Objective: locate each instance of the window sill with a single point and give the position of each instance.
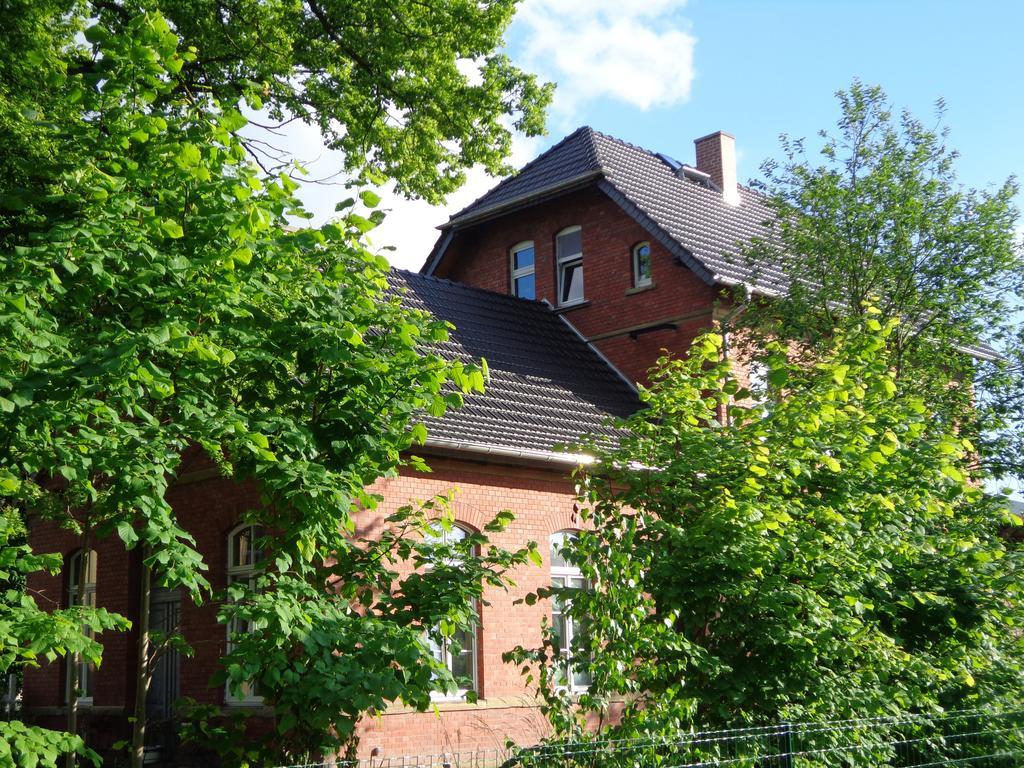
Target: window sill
(640, 288)
(455, 698)
(244, 703)
(574, 305)
(91, 710)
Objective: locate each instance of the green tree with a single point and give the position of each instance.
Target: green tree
(880, 216)
(823, 554)
(29, 633)
(154, 300)
(323, 663)
(388, 84)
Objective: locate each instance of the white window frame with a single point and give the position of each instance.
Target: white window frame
(563, 261)
(247, 572)
(523, 271)
(443, 650)
(640, 281)
(86, 669)
(567, 574)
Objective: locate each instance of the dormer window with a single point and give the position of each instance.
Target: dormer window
(641, 265)
(569, 257)
(524, 284)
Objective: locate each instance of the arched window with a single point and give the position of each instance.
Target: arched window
(86, 669)
(459, 652)
(565, 576)
(641, 265)
(245, 554)
(524, 284)
(569, 261)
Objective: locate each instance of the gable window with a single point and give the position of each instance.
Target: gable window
(569, 262)
(459, 652)
(523, 271)
(244, 557)
(641, 265)
(573, 674)
(86, 669)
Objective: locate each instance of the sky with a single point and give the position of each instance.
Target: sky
(660, 73)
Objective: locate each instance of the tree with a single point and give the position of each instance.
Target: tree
(29, 633)
(824, 554)
(325, 663)
(388, 84)
(883, 218)
(154, 301)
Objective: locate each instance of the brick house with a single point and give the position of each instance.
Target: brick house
(569, 278)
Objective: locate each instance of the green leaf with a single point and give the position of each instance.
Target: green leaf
(172, 228)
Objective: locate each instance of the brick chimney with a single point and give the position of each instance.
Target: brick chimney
(716, 156)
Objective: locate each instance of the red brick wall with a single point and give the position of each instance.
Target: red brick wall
(480, 257)
(209, 508)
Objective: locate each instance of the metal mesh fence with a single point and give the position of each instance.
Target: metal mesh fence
(978, 739)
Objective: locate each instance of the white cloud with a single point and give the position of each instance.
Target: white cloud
(638, 52)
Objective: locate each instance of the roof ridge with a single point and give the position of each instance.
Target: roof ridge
(477, 289)
(520, 171)
(653, 153)
(624, 143)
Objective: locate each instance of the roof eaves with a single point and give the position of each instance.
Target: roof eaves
(503, 452)
(676, 248)
(529, 197)
(437, 253)
(758, 288)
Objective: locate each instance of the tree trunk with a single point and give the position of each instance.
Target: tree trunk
(85, 555)
(142, 667)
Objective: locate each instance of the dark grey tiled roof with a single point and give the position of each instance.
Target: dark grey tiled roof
(689, 214)
(548, 387)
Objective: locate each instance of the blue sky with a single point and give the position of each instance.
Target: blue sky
(660, 73)
(761, 69)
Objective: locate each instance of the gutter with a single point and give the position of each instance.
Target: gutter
(977, 352)
(521, 454)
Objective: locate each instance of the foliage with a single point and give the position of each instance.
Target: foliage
(410, 91)
(29, 633)
(882, 217)
(156, 305)
(826, 554)
(322, 664)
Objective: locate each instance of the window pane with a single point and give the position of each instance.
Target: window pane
(643, 264)
(436, 534)
(525, 287)
(569, 244)
(436, 649)
(558, 542)
(572, 282)
(558, 630)
(580, 677)
(523, 258)
(244, 549)
(462, 669)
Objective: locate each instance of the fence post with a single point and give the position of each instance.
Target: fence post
(786, 746)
